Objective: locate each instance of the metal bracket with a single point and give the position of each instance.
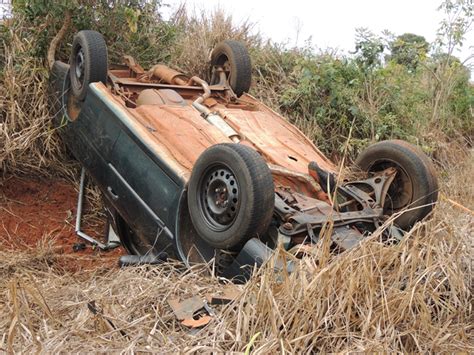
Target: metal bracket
(372, 207)
(379, 183)
(113, 240)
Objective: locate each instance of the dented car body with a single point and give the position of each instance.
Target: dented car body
(205, 171)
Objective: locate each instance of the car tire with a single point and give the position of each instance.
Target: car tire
(88, 62)
(235, 58)
(415, 187)
(231, 195)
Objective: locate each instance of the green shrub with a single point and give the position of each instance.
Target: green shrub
(359, 98)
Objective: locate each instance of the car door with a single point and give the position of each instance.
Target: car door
(92, 136)
(146, 196)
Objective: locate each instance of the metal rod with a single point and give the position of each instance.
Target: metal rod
(213, 118)
(78, 231)
(79, 200)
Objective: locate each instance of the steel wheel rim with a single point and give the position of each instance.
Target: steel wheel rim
(79, 67)
(219, 197)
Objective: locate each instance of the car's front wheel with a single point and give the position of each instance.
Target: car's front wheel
(414, 190)
(231, 195)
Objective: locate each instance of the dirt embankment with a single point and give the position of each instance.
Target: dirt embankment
(34, 211)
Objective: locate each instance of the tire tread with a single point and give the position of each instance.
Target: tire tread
(96, 58)
(238, 54)
(421, 171)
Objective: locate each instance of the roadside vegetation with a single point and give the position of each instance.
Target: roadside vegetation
(392, 86)
(415, 296)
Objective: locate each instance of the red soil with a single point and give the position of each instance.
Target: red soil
(35, 211)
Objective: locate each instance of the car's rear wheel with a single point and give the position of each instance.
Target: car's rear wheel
(230, 196)
(88, 62)
(415, 187)
(234, 59)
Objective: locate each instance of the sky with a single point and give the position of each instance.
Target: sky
(5, 6)
(332, 23)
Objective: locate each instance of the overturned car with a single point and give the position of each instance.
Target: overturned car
(200, 170)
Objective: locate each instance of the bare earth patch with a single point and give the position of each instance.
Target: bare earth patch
(35, 212)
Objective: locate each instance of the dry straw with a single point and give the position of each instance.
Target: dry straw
(415, 296)
(28, 143)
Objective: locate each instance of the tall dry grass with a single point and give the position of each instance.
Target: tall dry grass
(415, 296)
(200, 32)
(28, 143)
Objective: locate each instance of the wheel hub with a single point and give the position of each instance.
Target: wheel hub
(400, 192)
(79, 65)
(220, 197)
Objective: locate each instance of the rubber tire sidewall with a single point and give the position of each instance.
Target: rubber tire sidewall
(240, 64)
(419, 169)
(95, 61)
(257, 195)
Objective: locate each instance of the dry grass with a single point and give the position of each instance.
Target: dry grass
(415, 296)
(29, 144)
(203, 30)
(27, 141)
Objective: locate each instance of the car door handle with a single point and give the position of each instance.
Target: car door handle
(112, 193)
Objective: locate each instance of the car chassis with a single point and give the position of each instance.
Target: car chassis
(306, 194)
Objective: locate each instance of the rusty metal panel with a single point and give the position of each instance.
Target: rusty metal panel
(279, 141)
(318, 156)
(181, 129)
(146, 134)
(180, 134)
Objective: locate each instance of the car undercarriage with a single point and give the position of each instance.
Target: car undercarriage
(201, 170)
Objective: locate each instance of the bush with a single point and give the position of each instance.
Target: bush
(334, 99)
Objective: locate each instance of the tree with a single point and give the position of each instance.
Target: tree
(368, 49)
(459, 17)
(409, 50)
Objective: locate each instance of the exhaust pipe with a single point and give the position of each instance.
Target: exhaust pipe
(168, 75)
(213, 118)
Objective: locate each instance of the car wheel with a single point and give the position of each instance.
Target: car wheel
(415, 186)
(231, 195)
(88, 62)
(234, 58)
